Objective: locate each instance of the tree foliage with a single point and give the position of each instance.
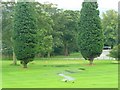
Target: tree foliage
(24, 32)
(44, 31)
(7, 27)
(110, 27)
(115, 52)
(66, 26)
(90, 34)
(57, 29)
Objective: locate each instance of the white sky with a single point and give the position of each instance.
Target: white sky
(76, 4)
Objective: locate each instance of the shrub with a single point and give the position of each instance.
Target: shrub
(115, 52)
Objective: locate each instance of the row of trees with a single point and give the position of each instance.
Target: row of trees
(54, 25)
(54, 17)
(56, 29)
(48, 30)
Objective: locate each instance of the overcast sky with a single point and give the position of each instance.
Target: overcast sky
(76, 4)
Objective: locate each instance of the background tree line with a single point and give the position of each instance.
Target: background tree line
(57, 30)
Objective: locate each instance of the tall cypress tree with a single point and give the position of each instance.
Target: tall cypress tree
(90, 34)
(24, 32)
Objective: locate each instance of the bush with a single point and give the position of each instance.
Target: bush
(115, 52)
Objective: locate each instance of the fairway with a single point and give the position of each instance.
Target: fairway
(44, 74)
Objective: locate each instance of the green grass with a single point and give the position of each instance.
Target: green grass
(72, 55)
(44, 74)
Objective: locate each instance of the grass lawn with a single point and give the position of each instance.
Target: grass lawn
(44, 74)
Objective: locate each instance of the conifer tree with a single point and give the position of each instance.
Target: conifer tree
(24, 34)
(90, 33)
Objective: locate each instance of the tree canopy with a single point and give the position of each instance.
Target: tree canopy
(110, 27)
(59, 31)
(24, 33)
(90, 33)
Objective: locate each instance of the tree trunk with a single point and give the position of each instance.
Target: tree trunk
(48, 54)
(65, 50)
(91, 61)
(25, 65)
(118, 61)
(14, 59)
(9, 56)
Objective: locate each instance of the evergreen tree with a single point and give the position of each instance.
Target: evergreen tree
(90, 34)
(24, 32)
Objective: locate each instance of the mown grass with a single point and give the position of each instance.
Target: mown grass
(44, 74)
(72, 55)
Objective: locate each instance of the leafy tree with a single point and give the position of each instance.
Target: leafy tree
(44, 33)
(0, 31)
(66, 25)
(7, 15)
(119, 26)
(50, 8)
(70, 32)
(57, 33)
(24, 32)
(115, 52)
(7, 28)
(51, 12)
(110, 27)
(90, 34)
